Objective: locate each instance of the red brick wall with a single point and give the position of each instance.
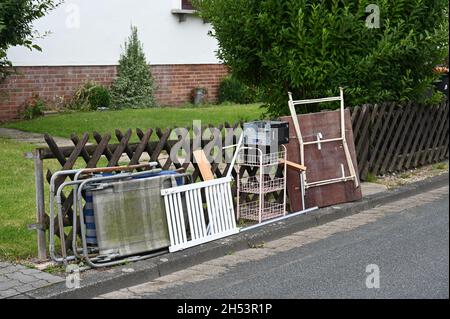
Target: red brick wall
(174, 83)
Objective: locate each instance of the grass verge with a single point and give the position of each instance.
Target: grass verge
(63, 125)
(17, 200)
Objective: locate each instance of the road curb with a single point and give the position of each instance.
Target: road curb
(99, 282)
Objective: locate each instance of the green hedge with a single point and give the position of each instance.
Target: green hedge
(312, 47)
(234, 91)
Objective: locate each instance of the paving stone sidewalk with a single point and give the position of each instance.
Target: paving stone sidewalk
(33, 138)
(17, 279)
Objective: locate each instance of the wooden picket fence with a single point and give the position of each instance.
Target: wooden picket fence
(393, 138)
(388, 138)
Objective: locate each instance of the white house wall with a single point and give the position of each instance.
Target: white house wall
(92, 32)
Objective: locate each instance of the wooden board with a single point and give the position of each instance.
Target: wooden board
(321, 164)
(293, 165)
(203, 165)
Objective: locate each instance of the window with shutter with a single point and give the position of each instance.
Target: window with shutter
(186, 5)
(186, 9)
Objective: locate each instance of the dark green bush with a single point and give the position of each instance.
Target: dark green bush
(99, 96)
(90, 97)
(233, 90)
(34, 108)
(312, 47)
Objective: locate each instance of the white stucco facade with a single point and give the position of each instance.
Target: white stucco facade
(92, 32)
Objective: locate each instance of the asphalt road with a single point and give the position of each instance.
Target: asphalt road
(410, 247)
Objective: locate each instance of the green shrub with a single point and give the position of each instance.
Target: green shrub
(233, 90)
(437, 97)
(99, 96)
(312, 47)
(90, 97)
(134, 86)
(440, 166)
(371, 178)
(34, 108)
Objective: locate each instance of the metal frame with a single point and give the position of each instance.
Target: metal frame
(353, 176)
(58, 193)
(262, 160)
(100, 261)
(279, 219)
(52, 253)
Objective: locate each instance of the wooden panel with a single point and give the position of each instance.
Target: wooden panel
(404, 131)
(379, 134)
(361, 126)
(396, 130)
(439, 113)
(321, 164)
(411, 137)
(442, 147)
(419, 140)
(203, 165)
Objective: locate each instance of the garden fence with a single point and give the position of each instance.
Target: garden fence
(393, 138)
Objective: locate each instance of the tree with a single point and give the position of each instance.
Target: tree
(133, 87)
(16, 26)
(312, 47)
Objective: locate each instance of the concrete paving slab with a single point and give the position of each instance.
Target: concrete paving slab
(372, 188)
(32, 138)
(17, 279)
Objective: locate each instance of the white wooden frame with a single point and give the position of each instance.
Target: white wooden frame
(342, 138)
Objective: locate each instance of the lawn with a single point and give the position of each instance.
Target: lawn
(17, 201)
(65, 124)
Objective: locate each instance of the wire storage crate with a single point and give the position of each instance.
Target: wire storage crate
(253, 212)
(253, 185)
(250, 156)
(261, 184)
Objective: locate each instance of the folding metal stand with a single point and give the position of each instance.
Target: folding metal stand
(341, 139)
(261, 184)
(57, 194)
